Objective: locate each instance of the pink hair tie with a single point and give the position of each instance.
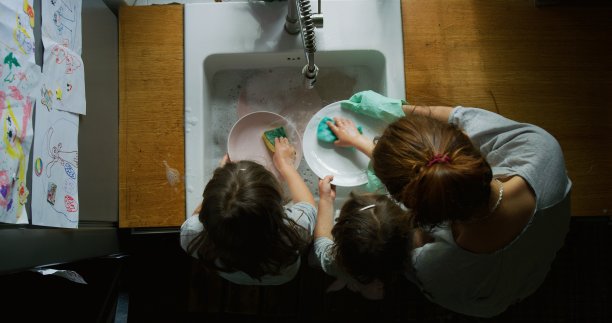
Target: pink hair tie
(439, 158)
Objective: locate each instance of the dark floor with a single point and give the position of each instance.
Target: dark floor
(159, 283)
(165, 285)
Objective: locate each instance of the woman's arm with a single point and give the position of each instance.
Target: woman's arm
(325, 216)
(440, 113)
(283, 158)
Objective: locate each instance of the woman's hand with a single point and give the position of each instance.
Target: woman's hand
(349, 136)
(326, 189)
(284, 156)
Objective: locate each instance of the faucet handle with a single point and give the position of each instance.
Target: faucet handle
(317, 19)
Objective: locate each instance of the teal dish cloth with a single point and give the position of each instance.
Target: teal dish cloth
(374, 105)
(325, 134)
(377, 106)
(374, 184)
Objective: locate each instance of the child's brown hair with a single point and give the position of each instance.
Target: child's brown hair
(372, 238)
(245, 225)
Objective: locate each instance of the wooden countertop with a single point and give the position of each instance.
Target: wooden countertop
(547, 66)
(151, 118)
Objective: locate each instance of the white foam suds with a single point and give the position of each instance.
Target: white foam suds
(280, 90)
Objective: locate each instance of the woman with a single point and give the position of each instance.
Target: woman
(492, 194)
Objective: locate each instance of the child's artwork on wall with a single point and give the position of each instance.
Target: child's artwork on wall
(16, 27)
(62, 63)
(64, 87)
(19, 77)
(55, 197)
(61, 24)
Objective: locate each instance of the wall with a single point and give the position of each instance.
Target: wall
(98, 131)
(26, 246)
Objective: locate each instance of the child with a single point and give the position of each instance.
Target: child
(243, 231)
(370, 243)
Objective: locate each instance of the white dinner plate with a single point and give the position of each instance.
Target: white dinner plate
(245, 142)
(347, 165)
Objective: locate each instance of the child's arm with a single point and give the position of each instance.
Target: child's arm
(283, 158)
(349, 136)
(325, 216)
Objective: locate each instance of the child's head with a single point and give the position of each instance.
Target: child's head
(245, 226)
(434, 169)
(372, 237)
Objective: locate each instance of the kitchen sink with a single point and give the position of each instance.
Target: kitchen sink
(239, 59)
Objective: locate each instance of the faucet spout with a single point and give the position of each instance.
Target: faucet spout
(310, 76)
(300, 19)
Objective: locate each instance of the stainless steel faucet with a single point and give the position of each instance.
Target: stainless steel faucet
(300, 19)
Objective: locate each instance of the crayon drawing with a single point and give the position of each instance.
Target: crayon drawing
(64, 87)
(69, 160)
(18, 77)
(55, 200)
(61, 23)
(16, 27)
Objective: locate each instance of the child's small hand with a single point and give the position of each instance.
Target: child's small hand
(224, 160)
(326, 189)
(198, 209)
(347, 133)
(284, 156)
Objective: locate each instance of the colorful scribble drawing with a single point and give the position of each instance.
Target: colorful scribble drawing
(38, 166)
(18, 76)
(63, 57)
(46, 97)
(13, 134)
(51, 190)
(58, 94)
(11, 61)
(23, 193)
(15, 93)
(65, 20)
(57, 159)
(22, 38)
(5, 189)
(70, 204)
(27, 8)
(68, 159)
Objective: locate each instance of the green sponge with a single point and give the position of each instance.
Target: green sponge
(325, 134)
(269, 135)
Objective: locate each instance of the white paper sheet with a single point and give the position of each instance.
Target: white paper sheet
(65, 79)
(71, 275)
(16, 27)
(19, 77)
(61, 24)
(55, 197)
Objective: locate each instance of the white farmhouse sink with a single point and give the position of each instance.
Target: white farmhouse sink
(239, 59)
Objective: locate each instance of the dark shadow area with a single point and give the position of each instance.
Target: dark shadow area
(167, 286)
(158, 282)
(29, 296)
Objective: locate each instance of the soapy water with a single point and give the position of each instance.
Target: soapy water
(236, 93)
